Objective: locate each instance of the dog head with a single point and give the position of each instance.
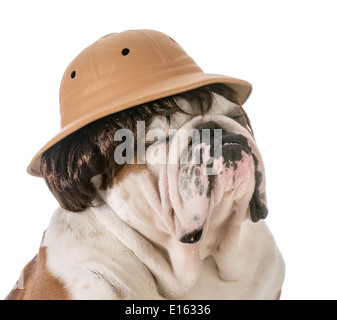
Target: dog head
(172, 168)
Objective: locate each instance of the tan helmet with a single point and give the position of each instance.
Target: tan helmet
(123, 70)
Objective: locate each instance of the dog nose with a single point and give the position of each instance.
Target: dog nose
(192, 237)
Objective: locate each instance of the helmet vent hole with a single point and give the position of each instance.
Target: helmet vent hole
(73, 74)
(125, 51)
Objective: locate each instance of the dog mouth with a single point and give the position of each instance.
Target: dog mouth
(192, 237)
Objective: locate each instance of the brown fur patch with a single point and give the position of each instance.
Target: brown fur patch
(38, 282)
(129, 169)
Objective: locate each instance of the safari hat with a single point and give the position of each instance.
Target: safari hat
(123, 70)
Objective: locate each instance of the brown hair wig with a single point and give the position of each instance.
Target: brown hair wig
(69, 165)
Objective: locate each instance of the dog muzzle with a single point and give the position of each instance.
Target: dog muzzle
(218, 164)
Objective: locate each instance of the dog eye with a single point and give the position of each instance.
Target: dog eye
(240, 119)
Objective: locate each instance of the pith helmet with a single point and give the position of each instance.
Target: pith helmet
(123, 70)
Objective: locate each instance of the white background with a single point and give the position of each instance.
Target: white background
(286, 49)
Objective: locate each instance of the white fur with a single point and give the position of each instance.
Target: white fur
(131, 262)
(127, 246)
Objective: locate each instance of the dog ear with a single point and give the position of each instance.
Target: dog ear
(258, 203)
(258, 210)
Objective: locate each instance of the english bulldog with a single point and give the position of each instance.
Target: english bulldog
(173, 207)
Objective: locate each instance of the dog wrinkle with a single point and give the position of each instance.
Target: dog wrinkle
(118, 292)
(95, 234)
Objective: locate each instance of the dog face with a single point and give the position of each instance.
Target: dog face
(197, 172)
